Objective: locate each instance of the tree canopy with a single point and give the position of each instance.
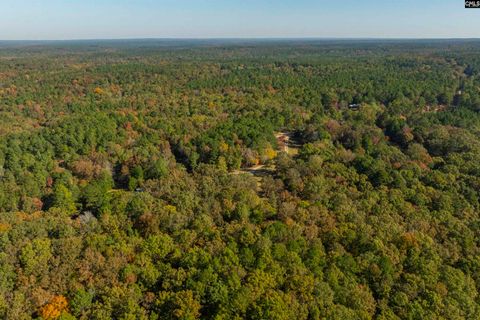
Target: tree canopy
(149, 181)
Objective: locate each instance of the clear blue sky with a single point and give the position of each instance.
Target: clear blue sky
(94, 19)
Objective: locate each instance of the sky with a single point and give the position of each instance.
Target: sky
(123, 19)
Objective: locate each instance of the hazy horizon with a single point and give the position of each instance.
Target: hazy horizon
(247, 39)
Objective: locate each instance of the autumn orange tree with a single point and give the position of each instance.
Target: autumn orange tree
(54, 308)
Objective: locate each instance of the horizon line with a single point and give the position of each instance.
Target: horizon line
(238, 38)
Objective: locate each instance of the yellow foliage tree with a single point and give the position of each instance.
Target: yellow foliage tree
(268, 153)
(223, 146)
(4, 227)
(98, 91)
(54, 309)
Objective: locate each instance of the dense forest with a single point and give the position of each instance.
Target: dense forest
(127, 189)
